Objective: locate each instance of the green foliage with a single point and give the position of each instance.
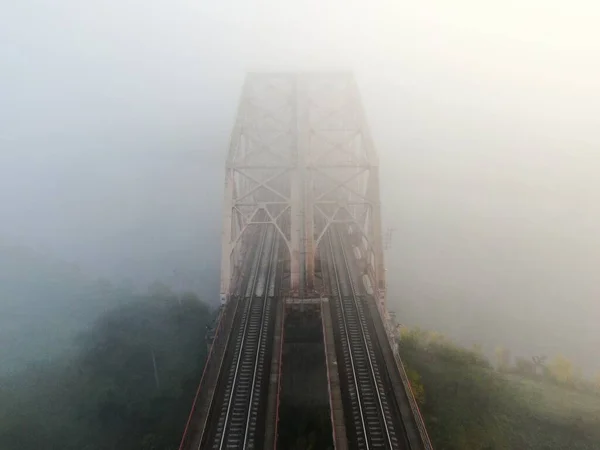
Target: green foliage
(561, 370)
(524, 367)
(502, 359)
(436, 344)
(470, 406)
(108, 395)
(416, 385)
(42, 304)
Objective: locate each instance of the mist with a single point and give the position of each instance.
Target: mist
(115, 119)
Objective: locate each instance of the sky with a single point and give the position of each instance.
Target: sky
(115, 118)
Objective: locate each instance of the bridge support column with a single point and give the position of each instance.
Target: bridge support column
(304, 143)
(272, 414)
(227, 250)
(302, 239)
(336, 406)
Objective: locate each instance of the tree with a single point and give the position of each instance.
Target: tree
(561, 370)
(433, 338)
(524, 367)
(578, 379)
(539, 364)
(412, 337)
(502, 359)
(416, 386)
(104, 395)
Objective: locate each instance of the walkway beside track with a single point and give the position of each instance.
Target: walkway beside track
(333, 377)
(201, 407)
(406, 412)
(272, 414)
(237, 420)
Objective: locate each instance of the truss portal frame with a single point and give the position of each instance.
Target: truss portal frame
(301, 158)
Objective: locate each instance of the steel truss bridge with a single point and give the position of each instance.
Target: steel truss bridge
(302, 273)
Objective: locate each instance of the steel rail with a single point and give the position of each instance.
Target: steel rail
(364, 334)
(369, 351)
(272, 269)
(349, 344)
(246, 313)
(251, 346)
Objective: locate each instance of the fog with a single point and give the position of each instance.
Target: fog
(115, 118)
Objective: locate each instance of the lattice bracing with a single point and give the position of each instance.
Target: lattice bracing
(301, 157)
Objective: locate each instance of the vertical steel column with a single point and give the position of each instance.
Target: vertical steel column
(376, 233)
(297, 188)
(226, 243)
(373, 195)
(303, 125)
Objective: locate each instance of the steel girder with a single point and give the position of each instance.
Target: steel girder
(301, 158)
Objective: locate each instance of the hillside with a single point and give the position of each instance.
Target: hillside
(44, 303)
(469, 405)
(128, 383)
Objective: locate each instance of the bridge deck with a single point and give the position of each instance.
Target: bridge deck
(410, 422)
(201, 407)
(378, 411)
(370, 402)
(302, 176)
(335, 394)
(272, 414)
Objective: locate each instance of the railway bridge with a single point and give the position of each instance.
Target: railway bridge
(303, 333)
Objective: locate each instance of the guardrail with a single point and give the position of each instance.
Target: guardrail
(403, 376)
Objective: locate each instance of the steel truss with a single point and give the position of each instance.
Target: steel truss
(301, 158)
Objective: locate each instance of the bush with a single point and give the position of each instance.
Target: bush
(439, 346)
(469, 406)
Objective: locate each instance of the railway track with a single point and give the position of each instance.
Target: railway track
(245, 379)
(369, 402)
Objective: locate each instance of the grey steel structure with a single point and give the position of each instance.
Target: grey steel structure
(301, 188)
(301, 157)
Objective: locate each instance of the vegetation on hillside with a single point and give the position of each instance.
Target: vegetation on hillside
(469, 404)
(127, 382)
(44, 303)
(128, 385)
